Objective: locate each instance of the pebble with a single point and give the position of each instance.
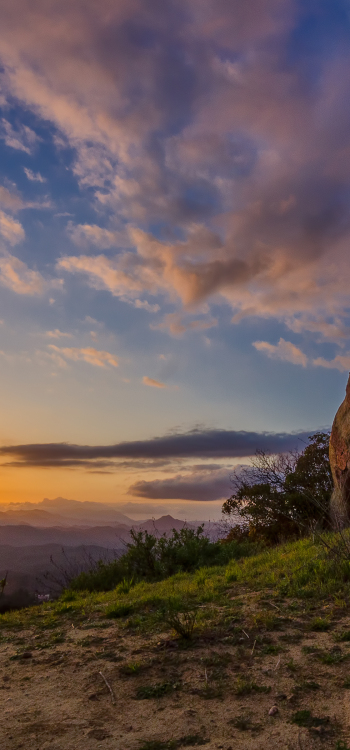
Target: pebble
(273, 711)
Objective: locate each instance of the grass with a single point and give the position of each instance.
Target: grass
(147, 692)
(304, 718)
(186, 741)
(300, 571)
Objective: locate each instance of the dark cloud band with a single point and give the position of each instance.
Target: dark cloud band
(197, 443)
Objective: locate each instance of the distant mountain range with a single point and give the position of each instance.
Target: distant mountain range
(66, 530)
(61, 511)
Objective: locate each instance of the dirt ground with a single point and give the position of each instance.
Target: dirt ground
(216, 692)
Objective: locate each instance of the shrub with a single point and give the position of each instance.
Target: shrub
(153, 558)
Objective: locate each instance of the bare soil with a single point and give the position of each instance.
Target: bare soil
(216, 691)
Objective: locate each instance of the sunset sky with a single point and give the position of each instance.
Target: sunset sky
(174, 242)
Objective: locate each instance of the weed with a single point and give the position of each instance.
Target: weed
(192, 739)
(269, 648)
(244, 723)
(311, 649)
(335, 656)
(185, 741)
(319, 624)
(158, 745)
(344, 636)
(265, 620)
(304, 718)
(245, 687)
(292, 666)
(307, 685)
(341, 745)
(119, 610)
(182, 622)
(147, 692)
(131, 669)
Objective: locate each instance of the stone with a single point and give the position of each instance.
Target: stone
(273, 711)
(339, 456)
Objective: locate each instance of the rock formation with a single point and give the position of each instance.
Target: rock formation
(339, 455)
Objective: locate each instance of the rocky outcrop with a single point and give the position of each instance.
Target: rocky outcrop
(339, 455)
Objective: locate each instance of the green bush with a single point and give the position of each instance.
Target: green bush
(152, 558)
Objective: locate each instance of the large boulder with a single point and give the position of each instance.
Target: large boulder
(339, 456)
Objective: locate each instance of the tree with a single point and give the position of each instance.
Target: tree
(283, 495)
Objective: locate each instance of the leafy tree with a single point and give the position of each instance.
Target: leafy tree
(282, 495)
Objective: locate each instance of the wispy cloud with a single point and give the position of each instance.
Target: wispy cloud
(284, 350)
(16, 275)
(34, 176)
(10, 229)
(57, 334)
(22, 138)
(153, 383)
(341, 362)
(85, 234)
(92, 356)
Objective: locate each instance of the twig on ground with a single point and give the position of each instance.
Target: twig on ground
(252, 651)
(278, 663)
(109, 687)
(246, 634)
(275, 606)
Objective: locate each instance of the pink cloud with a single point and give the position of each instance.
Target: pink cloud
(284, 350)
(153, 383)
(88, 354)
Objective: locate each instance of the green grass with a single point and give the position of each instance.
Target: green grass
(300, 571)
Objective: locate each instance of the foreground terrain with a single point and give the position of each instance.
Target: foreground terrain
(268, 664)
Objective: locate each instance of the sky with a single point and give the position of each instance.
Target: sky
(174, 242)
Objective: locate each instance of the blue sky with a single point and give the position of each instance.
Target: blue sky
(174, 226)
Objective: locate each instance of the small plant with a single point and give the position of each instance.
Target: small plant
(292, 666)
(244, 723)
(119, 610)
(147, 692)
(192, 739)
(182, 622)
(332, 657)
(341, 745)
(304, 718)
(131, 669)
(158, 745)
(346, 683)
(245, 687)
(344, 636)
(319, 624)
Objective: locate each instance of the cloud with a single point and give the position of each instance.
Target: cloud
(89, 354)
(85, 234)
(214, 485)
(199, 443)
(10, 199)
(22, 139)
(34, 176)
(174, 323)
(254, 201)
(15, 275)
(57, 334)
(341, 362)
(284, 350)
(10, 229)
(153, 383)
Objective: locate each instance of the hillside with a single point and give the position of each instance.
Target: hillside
(267, 665)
